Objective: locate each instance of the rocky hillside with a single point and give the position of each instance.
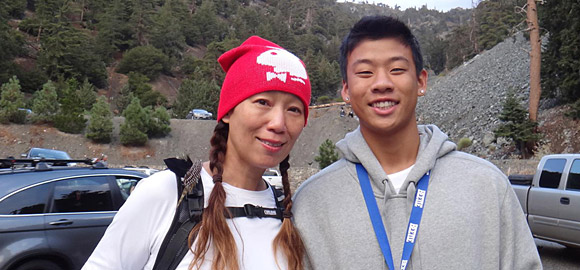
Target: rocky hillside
(467, 101)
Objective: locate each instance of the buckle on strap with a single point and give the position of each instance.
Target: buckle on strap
(253, 211)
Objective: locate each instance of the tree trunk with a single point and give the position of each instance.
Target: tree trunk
(535, 60)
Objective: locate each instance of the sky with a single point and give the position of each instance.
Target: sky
(441, 5)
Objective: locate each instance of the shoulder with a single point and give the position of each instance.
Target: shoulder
(326, 181)
(460, 167)
(159, 186)
(475, 164)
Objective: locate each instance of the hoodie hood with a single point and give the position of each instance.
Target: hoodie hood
(433, 144)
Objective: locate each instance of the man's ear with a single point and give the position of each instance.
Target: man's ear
(344, 92)
(422, 83)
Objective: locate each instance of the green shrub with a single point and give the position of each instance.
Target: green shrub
(134, 129)
(159, 122)
(88, 95)
(326, 154)
(574, 111)
(11, 100)
(463, 143)
(71, 117)
(100, 127)
(45, 104)
(146, 60)
(517, 126)
(323, 100)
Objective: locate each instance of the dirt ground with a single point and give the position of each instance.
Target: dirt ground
(191, 137)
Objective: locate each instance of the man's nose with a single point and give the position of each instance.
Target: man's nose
(382, 82)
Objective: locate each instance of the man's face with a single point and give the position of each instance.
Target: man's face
(383, 85)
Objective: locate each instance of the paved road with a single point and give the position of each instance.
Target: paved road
(557, 257)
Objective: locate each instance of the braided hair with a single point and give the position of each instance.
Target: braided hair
(214, 230)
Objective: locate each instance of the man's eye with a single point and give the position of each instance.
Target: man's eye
(364, 73)
(262, 102)
(398, 70)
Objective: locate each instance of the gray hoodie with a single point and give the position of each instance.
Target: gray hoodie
(471, 218)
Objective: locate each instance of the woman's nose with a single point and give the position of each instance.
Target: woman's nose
(277, 120)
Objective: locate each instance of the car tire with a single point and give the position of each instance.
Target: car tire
(39, 265)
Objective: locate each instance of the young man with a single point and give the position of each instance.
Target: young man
(438, 208)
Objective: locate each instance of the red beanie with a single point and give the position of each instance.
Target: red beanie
(259, 65)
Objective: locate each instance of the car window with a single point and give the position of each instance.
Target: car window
(49, 154)
(270, 173)
(574, 176)
(552, 172)
(126, 185)
(82, 194)
(29, 201)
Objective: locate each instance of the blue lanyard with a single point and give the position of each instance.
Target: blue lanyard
(414, 220)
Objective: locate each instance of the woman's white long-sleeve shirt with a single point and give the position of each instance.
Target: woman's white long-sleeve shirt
(133, 239)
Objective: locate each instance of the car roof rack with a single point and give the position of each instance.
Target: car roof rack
(43, 164)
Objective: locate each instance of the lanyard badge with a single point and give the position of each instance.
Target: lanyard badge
(377, 222)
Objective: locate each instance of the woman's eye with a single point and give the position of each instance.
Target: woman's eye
(262, 102)
(295, 110)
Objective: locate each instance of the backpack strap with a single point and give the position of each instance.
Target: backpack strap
(187, 215)
(251, 211)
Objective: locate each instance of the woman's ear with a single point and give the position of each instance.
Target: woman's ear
(226, 118)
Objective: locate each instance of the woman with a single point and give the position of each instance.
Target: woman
(262, 110)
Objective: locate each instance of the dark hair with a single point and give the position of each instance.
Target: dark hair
(375, 28)
(213, 229)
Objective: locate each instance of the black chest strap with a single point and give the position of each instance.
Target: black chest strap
(252, 211)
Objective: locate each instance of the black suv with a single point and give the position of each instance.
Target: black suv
(52, 217)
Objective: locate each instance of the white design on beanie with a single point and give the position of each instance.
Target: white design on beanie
(283, 62)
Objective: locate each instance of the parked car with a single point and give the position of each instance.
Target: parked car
(551, 198)
(51, 218)
(199, 114)
(45, 153)
(273, 177)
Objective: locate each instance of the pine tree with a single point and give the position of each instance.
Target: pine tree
(326, 154)
(45, 104)
(198, 94)
(146, 60)
(517, 126)
(561, 57)
(70, 119)
(166, 33)
(134, 129)
(159, 123)
(140, 19)
(100, 126)
(115, 33)
(88, 95)
(12, 99)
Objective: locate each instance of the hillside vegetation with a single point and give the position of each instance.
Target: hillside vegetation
(57, 56)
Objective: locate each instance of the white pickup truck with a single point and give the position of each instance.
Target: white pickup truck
(551, 198)
(273, 177)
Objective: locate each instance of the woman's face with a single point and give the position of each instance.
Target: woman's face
(263, 129)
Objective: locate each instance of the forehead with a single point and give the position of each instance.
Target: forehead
(383, 49)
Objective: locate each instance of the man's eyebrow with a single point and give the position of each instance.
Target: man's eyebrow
(390, 60)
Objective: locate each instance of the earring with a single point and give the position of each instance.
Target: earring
(347, 98)
(422, 91)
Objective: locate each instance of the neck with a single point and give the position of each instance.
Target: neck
(395, 152)
(241, 176)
